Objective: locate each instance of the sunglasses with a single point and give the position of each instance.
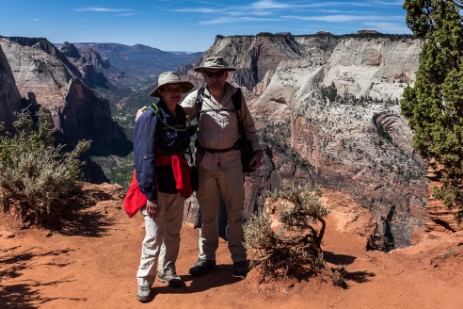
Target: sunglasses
(214, 74)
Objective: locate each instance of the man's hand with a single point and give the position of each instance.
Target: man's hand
(152, 208)
(256, 161)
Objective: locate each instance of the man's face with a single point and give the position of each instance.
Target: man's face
(215, 78)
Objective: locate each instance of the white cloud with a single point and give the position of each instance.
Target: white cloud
(390, 2)
(341, 5)
(268, 4)
(330, 11)
(102, 10)
(220, 20)
(343, 18)
(198, 10)
(127, 14)
(230, 20)
(261, 10)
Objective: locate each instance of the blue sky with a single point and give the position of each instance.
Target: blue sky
(189, 25)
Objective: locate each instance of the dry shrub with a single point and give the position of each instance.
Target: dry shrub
(295, 250)
(37, 179)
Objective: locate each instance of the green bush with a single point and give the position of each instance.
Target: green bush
(37, 179)
(330, 92)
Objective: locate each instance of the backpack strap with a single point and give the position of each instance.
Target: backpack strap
(157, 112)
(155, 108)
(199, 103)
(236, 98)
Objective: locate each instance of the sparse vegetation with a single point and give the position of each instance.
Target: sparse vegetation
(37, 179)
(330, 93)
(295, 250)
(278, 134)
(444, 256)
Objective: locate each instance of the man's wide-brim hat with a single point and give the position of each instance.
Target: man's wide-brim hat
(214, 63)
(171, 78)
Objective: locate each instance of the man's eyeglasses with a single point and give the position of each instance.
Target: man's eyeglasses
(214, 74)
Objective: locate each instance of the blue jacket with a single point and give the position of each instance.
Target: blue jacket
(151, 138)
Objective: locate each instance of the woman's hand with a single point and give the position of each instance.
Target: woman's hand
(152, 208)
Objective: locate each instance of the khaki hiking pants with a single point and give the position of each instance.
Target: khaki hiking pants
(214, 184)
(162, 238)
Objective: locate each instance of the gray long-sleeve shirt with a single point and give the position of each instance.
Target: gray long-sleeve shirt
(218, 128)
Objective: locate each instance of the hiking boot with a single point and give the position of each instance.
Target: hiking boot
(201, 267)
(240, 269)
(144, 294)
(172, 280)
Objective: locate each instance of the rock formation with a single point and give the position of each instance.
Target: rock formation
(85, 116)
(328, 108)
(10, 100)
(92, 67)
(42, 72)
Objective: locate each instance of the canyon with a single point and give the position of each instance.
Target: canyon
(327, 108)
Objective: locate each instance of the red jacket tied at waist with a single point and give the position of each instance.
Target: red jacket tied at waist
(135, 200)
(182, 172)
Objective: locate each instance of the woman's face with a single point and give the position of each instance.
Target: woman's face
(171, 93)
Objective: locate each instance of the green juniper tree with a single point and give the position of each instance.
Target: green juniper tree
(434, 105)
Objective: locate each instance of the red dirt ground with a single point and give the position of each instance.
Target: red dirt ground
(93, 265)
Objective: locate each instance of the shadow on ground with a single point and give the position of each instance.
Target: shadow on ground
(219, 277)
(84, 217)
(26, 294)
(340, 260)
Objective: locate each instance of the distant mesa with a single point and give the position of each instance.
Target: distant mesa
(265, 34)
(288, 34)
(368, 31)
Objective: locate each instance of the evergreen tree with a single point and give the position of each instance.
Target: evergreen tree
(434, 105)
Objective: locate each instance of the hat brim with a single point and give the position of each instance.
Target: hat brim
(202, 69)
(186, 87)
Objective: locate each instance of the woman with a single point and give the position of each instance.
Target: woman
(162, 173)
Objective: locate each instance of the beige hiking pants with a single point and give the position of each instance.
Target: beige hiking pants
(213, 184)
(162, 238)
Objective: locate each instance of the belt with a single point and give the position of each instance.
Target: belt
(236, 146)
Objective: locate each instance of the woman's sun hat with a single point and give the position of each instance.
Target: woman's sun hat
(170, 77)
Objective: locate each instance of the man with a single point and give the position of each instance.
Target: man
(219, 163)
